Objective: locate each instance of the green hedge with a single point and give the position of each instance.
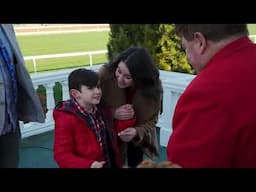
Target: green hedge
(159, 39)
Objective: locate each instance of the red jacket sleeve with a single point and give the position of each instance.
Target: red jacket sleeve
(120, 125)
(200, 138)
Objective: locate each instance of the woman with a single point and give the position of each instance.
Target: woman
(131, 85)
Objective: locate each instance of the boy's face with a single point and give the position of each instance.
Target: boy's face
(88, 96)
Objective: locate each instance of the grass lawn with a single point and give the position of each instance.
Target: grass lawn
(63, 43)
(252, 29)
(67, 43)
(67, 62)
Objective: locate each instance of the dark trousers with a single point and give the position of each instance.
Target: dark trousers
(134, 155)
(9, 149)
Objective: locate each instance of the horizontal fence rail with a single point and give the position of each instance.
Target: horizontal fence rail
(61, 55)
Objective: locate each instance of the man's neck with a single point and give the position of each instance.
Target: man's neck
(217, 46)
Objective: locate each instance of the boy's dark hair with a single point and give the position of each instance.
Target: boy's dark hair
(82, 76)
(213, 32)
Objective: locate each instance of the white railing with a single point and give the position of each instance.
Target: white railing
(48, 80)
(173, 85)
(61, 55)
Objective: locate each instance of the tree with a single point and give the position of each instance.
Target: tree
(172, 57)
(159, 39)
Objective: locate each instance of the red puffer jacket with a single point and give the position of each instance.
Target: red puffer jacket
(75, 144)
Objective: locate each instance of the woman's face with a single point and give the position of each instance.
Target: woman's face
(123, 76)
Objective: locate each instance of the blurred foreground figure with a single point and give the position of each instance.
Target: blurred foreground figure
(18, 98)
(151, 164)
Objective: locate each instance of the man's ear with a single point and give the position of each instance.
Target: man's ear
(74, 93)
(201, 42)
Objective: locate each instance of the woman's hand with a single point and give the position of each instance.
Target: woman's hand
(124, 112)
(97, 164)
(127, 134)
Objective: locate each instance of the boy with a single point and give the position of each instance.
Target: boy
(84, 133)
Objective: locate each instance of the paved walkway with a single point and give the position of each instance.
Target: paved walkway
(37, 151)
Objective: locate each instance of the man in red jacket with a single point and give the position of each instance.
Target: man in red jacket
(214, 123)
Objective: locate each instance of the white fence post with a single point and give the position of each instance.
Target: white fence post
(65, 90)
(50, 102)
(90, 55)
(34, 64)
